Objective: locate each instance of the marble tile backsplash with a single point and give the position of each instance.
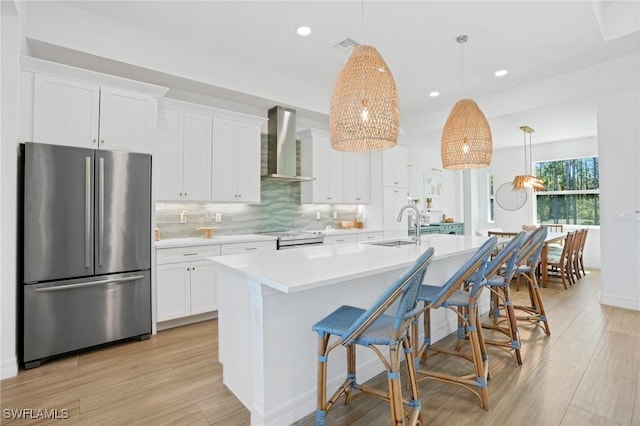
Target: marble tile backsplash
(280, 209)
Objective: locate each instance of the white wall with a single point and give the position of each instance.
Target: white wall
(424, 160)
(506, 163)
(8, 159)
(619, 148)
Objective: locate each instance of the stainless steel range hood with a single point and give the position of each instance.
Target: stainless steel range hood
(281, 146)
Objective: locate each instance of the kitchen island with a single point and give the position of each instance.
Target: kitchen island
(268, 302)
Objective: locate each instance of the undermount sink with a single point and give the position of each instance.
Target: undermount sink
(395, 243)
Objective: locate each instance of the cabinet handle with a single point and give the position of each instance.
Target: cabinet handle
(190, 254)
(94, 141)
(193, 269)
(180, 194)
(185, 194)
(251, 248)
(102, 141)
(188, 269)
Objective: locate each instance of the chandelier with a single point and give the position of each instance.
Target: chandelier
(466, 137)
(522, 182)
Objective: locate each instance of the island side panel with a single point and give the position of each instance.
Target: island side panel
(234, 333)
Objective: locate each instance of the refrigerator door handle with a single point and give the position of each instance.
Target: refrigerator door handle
(100, 210)
(89, 284)
(87, 212)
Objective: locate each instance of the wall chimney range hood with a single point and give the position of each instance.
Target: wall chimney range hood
(281, 146)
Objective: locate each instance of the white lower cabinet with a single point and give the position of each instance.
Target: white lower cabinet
(353, 237)
(339, 239)
(186, 282)
(370, 236)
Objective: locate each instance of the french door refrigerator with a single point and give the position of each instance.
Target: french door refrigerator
(86, 248)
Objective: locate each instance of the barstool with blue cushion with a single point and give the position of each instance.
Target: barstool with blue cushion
(463, 302)
(499, 273)
(528, 261)
(370, 328)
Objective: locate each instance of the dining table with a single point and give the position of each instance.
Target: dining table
(552, 238)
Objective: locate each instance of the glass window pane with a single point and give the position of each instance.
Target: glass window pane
(573, 209)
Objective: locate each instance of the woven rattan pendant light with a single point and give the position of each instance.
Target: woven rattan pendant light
(364, 113)
(466, 137)
(527, 180)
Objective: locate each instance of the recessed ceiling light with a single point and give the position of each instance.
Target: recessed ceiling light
(501, 73)
(303, 31)
(434, 94)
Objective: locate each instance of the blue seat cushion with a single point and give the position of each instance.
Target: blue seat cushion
(428, 293)
(554, 257)
(340, 320)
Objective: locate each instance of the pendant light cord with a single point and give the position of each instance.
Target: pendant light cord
(463, 88)
(530, 157)
(362, 18)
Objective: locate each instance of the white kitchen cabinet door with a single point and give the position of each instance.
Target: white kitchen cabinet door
(196, 158)
(235, 167)
(68, 112)
(126, 120)
(357, 179)
(394, 167)
(394, 199)
(173, 290)
(168, 161)
(222, 164)
(204, 297)
(325, 164)
(247, 162)
(183, 156)
(65, 112)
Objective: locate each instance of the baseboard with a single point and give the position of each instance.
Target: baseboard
(620, 302)
(9, 368)
(178, 322)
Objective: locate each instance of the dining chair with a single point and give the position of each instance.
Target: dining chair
(463, 302)
(560, 263)
(527, 263)
(371, 328)
(554, 227)
(578, 262)
(499, 273)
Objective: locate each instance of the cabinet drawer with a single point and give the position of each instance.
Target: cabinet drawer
(186, 254)
(236, 248)
(339, 239)
(370, 236)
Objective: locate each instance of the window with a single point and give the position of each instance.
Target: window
(490, 199)
(571, 195)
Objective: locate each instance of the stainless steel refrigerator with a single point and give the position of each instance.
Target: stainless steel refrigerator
(86, 248)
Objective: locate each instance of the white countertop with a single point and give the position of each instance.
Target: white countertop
(301, 269)
(224, 239)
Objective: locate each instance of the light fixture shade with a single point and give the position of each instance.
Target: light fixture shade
(364, 113)
(523, 182)
(466, 138)
(526, 181)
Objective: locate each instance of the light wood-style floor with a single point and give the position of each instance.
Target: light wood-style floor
(586, 373)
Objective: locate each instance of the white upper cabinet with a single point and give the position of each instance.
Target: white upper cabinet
(69, 112)
(357, 171)
(393, 200)
(126, 120)
(394, 167)
(183, 156)
(65, 112)
(236, 161)
(325, 164)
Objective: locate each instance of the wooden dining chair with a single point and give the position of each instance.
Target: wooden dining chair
(560, 263)
(371, 328)
(464, 302)
(554, 227)
(578, 262)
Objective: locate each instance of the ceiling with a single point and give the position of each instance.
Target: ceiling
(534, 40)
